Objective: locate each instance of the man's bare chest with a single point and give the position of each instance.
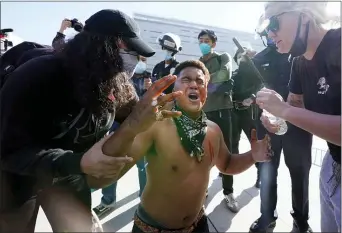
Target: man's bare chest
(171, 155)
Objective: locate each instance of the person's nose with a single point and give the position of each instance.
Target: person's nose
(193, 85)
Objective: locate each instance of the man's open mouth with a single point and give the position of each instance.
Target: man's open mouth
(193, 96)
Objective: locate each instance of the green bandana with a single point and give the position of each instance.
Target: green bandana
(191, 133)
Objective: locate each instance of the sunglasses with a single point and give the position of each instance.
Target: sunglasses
(270, 25)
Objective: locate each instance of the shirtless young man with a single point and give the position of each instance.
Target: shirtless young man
(178, 165)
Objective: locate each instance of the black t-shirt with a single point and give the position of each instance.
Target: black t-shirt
(161, 70)
(319, 80)
(44, 131)
(246, 83)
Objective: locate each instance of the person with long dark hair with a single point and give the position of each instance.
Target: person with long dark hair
(55, 111)
(314, 101)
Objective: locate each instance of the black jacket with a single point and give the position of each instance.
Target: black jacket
(275, 69)
(160, 71)
(44, 132)
(59, 41)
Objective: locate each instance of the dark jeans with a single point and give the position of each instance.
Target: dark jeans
(201, 227)
(241, 120)
(296, 144)
(222, 119)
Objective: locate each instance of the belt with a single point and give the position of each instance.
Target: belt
(149, 229)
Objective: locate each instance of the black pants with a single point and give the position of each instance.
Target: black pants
(201, 227)
(222, 118)
(296, 144)
(241, 120)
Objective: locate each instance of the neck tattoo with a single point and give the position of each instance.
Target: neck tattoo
(191, 133)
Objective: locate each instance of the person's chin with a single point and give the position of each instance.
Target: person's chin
(194, 108)
(282, 49)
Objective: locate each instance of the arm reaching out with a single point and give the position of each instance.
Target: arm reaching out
(322, 125)
(140, 146)
(232, 164)
(295, 100)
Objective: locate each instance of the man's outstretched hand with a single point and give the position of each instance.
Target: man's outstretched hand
(261, 149)
(149, 109)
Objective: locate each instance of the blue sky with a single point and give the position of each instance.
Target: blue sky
(39, 21)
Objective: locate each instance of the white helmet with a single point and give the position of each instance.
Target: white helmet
(170, 41)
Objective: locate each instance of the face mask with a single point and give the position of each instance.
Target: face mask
(168, 55)
(205, 48)
(129, 62)
(299, 47)
(140, 68)
(270, 42)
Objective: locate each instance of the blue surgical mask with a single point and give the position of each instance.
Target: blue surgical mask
(270, 41)
(168, 55)
(205, 48)
(140, 68)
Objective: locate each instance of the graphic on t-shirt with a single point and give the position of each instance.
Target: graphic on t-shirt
(323, 86)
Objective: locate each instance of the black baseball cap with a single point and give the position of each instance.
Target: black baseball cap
(116, 23)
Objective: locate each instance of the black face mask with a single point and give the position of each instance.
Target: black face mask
(299, 46)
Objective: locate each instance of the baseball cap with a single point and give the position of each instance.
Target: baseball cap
(116, 23)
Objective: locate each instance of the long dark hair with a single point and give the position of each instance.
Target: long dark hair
(96, 68)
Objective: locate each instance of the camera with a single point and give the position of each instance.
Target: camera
(4, 38)
(76, 25)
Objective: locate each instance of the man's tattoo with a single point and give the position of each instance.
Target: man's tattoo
(295, 100)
